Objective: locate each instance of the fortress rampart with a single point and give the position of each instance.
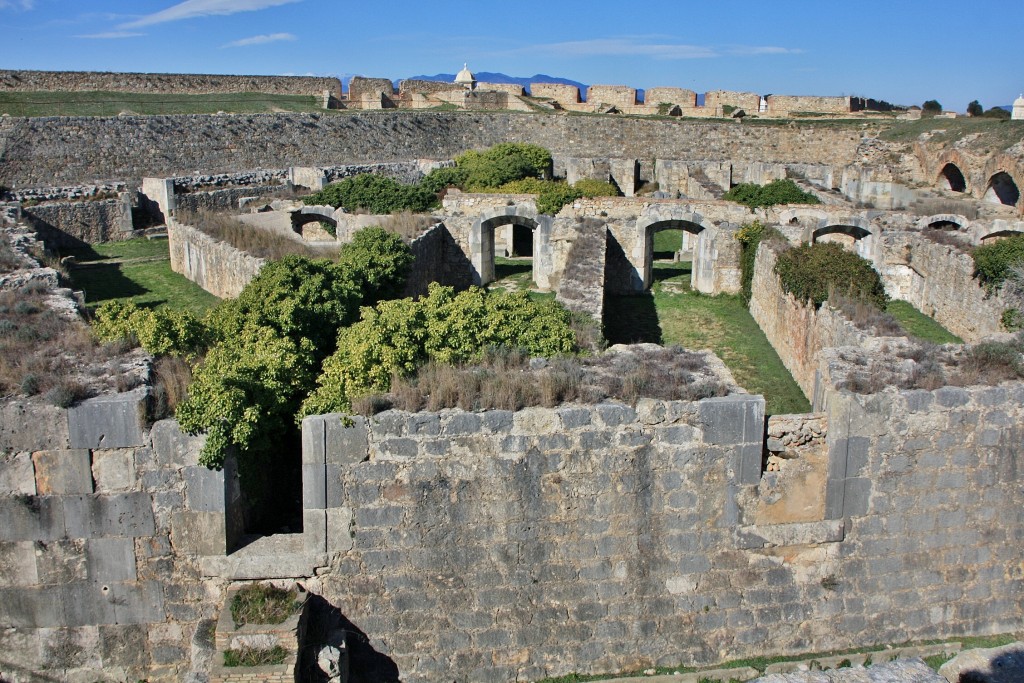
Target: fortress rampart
(68, 150)
(187, 84)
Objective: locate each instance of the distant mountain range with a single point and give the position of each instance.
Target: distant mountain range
(490, 77)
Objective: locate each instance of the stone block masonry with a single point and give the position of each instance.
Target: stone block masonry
(53, 151)
(188, 84)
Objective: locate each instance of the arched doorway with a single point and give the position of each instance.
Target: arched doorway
(952, 178)
(853, 236)
(692, 231)
(527, 233)
(1002, 190)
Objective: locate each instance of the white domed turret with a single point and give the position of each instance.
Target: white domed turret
(465, 78)
(1018, 109)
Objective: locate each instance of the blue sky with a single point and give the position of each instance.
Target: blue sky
(903, 51)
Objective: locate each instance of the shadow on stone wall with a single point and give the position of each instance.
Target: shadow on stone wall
(326, 624)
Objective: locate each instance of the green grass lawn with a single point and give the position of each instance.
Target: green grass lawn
(149, 282)
(919, 325)
(673, 314)
(99, 103)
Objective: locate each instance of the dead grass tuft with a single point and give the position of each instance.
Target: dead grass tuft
(408, 225)
(508, 380)
(252, 240)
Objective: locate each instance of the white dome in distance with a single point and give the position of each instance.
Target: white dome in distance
(465, 77)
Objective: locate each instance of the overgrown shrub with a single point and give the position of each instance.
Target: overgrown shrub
(396, 337)
(750, 237)
(776, 192)
(589, 187)
(161, 332)
(375, 194)
(381, 259)
(994, 262)
(810, 272)
(442, 178)
(501, 164)
(551, 195)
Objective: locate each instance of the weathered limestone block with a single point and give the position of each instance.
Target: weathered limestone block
(17, 476)
(113, 469)
(172, 447)
(115, 421)
(32, 425)
(18, 564)
(64, 471)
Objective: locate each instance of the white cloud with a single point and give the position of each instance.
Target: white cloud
(657, 47)
(261, 40)
(763, 50)
(190, 9)
(24, 5)
(109, 35)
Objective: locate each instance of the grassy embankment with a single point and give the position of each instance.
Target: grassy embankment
(99, 103)
(137, 269)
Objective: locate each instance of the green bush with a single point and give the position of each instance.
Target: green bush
(811, 272)
(551, 195)
(992, 262)
(382, 261)
(749, 237)
(396, 337)
(589, 187)
(374, 193)
(263, 604)
(484, 171)
(772, 194)
(441, 178)
(270, 343)
(161, 332)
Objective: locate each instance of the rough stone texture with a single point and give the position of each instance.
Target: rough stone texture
(715, 100)
(30, 425)
(217, 267)
(902, 671)
(784, 105)
(987, 665)
(438, 258)
(939, 281)
(49, 151)
(360, 88)
(191, 84)
(615, 95)
(684, 98)
(797, 332)
(111, 421)
(69, 225)
(561, 93)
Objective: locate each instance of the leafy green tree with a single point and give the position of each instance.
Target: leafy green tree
(931, 108)
(810, 272)
(975, 108)
(501, 164)
(441, 178)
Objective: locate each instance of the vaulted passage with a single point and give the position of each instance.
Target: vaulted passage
(1002, 190)
(952, 178)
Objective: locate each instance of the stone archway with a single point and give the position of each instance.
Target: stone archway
(952, 178)
(702, 276)
(855, 234)
(1002, 190)
(944, 221)
(482, 242)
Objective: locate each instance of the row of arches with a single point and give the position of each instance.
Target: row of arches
(1001, 187)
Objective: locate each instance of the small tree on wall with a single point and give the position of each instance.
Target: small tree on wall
(931, 108)
(975, 108)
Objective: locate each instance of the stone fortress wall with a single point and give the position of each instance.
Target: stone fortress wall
(183, 84)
